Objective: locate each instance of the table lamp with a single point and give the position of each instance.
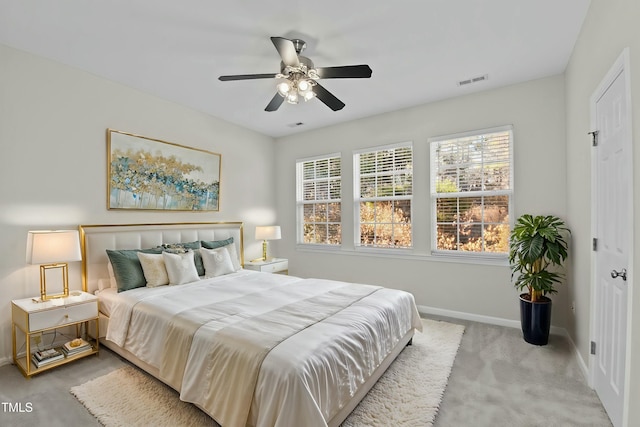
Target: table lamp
(264, 233)
(53, 249)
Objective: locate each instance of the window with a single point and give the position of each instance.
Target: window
(383, 188)
(318, 188)
(471, 191)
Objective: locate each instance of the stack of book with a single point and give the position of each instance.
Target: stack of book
(44, 357)
(75, 346)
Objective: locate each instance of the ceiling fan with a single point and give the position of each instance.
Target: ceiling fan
(298, 77)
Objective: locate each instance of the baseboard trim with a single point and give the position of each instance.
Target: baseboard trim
(6, 361)
(469, 316)
(555, 330)
(581, 363)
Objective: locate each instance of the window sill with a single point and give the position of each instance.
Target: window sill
(406, 254)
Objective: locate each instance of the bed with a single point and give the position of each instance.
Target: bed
(248, 348)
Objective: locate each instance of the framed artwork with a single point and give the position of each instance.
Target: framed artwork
(150, 174)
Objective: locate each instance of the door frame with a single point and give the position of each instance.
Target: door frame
(620, 67)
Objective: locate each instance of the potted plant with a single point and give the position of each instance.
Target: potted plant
(536, 244)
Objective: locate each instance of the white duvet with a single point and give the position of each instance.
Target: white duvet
(304, 380)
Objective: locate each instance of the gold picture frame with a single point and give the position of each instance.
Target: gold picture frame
(150, 174)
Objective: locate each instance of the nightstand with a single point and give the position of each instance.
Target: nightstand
(32, 318)
(272, 265)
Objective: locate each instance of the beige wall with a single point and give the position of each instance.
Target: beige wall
(536, 111)
(53, 122)
(611, 26)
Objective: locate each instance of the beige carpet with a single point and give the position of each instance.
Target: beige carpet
(408, 394)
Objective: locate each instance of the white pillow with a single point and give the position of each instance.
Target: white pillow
(155, 272)
(103, 284)
(233, 254)
(216, 262)
(181, 268)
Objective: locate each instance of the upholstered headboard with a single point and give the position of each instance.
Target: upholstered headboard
(96, 239)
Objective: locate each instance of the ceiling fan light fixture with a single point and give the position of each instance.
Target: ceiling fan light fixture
(303, 85)
(296, 86)
(284, 87)
(292, 97)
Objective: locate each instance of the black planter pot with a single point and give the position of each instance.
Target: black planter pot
(535, 318)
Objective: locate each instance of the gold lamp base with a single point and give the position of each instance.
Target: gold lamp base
(43, 281)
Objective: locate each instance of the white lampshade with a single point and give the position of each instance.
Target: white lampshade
(53, 246)
(270, 232)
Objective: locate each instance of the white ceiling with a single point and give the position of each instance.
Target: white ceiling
(418, 50)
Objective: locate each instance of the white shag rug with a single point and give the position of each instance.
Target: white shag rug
(408, 394)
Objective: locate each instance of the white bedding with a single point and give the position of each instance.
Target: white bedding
(107, 297)
(305, 379)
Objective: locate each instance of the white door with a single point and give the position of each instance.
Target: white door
(613, 230)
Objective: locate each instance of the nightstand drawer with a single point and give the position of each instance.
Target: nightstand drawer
(275, 267)
(61, 316)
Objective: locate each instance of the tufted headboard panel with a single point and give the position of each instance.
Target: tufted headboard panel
(96, 239)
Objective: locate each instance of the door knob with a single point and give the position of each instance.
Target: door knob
(622, 273)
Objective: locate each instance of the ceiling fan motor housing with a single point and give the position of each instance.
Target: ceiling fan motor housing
(305, 65)
(299, 45)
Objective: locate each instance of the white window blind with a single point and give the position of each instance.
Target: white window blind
(383, 189)
(318, 200)
(472, 191)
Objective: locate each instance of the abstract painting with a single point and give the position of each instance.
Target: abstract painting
(151, 174)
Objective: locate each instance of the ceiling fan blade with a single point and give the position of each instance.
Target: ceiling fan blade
(287, 51)
(327, 98)
(275, 103)
(247, 77)
(345, 72)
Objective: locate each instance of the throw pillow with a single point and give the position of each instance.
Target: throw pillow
(228, 243)
(180, 268)
(127, 268)
(217, 262)
(183, 247)
(154, 269)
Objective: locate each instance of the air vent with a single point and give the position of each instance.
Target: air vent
(473, 80)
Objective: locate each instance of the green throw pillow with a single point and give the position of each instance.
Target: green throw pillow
(215, 244)
(127, 268)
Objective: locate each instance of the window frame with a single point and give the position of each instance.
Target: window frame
(357, 199)
(483, 193)
(300, 201)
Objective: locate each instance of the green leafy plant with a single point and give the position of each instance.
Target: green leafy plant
(535, 244)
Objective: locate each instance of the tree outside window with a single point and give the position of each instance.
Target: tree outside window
(471, 191)
(319, 187)
(384, 189)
